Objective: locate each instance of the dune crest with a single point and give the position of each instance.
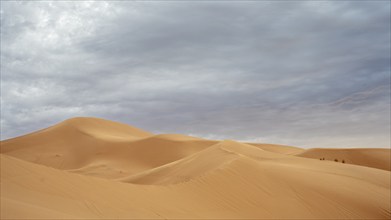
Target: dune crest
(98, 169)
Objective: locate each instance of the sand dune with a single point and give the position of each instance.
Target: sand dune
(370, 157)
(94, 168)
(72, 143)
(101, 148)
(282, 149)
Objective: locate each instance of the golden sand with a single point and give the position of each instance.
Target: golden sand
(94, 168)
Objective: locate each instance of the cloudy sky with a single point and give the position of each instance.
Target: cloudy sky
(304, 73)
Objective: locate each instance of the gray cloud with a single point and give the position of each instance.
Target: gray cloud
(313, 74)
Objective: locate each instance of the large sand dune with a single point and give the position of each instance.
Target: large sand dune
(94, 168)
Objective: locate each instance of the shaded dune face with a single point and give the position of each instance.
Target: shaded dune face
(101, 148)
(95, 168)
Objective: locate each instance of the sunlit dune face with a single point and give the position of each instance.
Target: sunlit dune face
(95, 168)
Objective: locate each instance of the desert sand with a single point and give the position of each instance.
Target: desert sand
(90, 168)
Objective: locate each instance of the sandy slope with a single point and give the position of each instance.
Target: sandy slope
(282, 149)
(101, 148)
(370, 157)
(93, 168)
(72, 143)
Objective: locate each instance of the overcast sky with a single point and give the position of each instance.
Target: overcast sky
(304, 73)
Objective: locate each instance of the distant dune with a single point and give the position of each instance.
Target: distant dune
(99, 169)
(370, 157)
